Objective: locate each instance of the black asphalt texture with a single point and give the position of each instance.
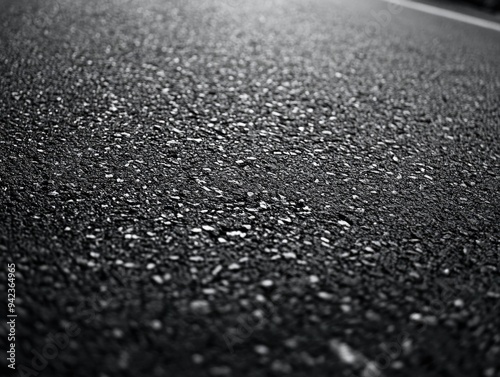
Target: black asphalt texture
(261, 188)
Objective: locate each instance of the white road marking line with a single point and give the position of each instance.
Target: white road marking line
(447, 14)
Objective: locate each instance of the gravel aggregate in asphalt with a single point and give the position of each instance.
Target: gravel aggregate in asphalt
(250, 189)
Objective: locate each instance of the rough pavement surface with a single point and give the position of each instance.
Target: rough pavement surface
(249, 188)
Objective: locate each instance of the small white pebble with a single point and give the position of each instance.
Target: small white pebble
(157, 279)
(216, 270)
(196, 258)
(313, 279)
(209, 291)
(344, 352)
(155, 324)
(117, 333)
(200, 306)
(345, 308)
(416, 317)
(325, 295)
(261, 349)
(267, 283)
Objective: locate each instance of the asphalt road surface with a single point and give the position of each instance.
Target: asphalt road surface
(261, 188)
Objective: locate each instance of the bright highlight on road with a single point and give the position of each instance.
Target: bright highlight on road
(447, 14)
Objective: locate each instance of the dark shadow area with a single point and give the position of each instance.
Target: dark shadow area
(489, 6)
